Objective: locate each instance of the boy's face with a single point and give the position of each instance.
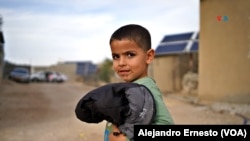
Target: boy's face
(130, 61)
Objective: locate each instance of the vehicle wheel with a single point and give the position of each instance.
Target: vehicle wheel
(35, 80)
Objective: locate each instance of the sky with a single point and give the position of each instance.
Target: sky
(47, 32)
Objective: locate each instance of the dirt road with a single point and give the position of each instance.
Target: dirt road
(45, 112)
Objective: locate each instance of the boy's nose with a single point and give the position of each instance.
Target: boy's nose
(122, 61)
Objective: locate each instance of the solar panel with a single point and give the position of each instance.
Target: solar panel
(170, 48)
(177, 37)
(195, 47)
(178, 43)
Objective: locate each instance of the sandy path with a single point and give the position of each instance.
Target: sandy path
(45, 112)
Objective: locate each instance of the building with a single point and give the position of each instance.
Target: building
(175, 56)
(224, 53)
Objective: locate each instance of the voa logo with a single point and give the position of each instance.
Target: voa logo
(222, 18)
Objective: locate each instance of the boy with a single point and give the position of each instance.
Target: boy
(132, 53)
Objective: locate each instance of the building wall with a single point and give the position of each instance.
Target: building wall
(224, 51)
(163, 73)
(168, 71)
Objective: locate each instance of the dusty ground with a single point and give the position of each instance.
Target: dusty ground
(45, 112)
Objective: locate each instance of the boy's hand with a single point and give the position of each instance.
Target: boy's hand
(116, 135)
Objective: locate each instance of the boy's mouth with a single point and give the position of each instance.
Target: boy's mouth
(123, 72)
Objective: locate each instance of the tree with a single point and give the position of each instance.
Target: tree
(105, 70)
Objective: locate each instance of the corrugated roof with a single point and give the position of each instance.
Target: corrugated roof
(178, 43)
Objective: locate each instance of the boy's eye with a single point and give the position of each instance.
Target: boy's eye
(115, 57)
(129, 54)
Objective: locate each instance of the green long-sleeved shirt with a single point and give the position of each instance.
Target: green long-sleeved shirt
(162, 117)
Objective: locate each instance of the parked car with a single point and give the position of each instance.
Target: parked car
(48, 76)
(40, 76)
(20, 74)
(57, 77)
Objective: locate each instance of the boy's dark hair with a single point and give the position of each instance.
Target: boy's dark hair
(135, 33)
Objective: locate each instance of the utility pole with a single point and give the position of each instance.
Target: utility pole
(1, 50)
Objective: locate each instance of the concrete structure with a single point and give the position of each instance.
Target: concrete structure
(224, 51)
(175, 56)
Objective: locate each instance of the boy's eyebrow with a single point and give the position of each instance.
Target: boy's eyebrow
(128, 51)
(114, 54)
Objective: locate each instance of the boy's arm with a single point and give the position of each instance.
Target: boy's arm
(118, 137)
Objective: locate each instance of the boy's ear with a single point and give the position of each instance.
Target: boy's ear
(150, 56)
